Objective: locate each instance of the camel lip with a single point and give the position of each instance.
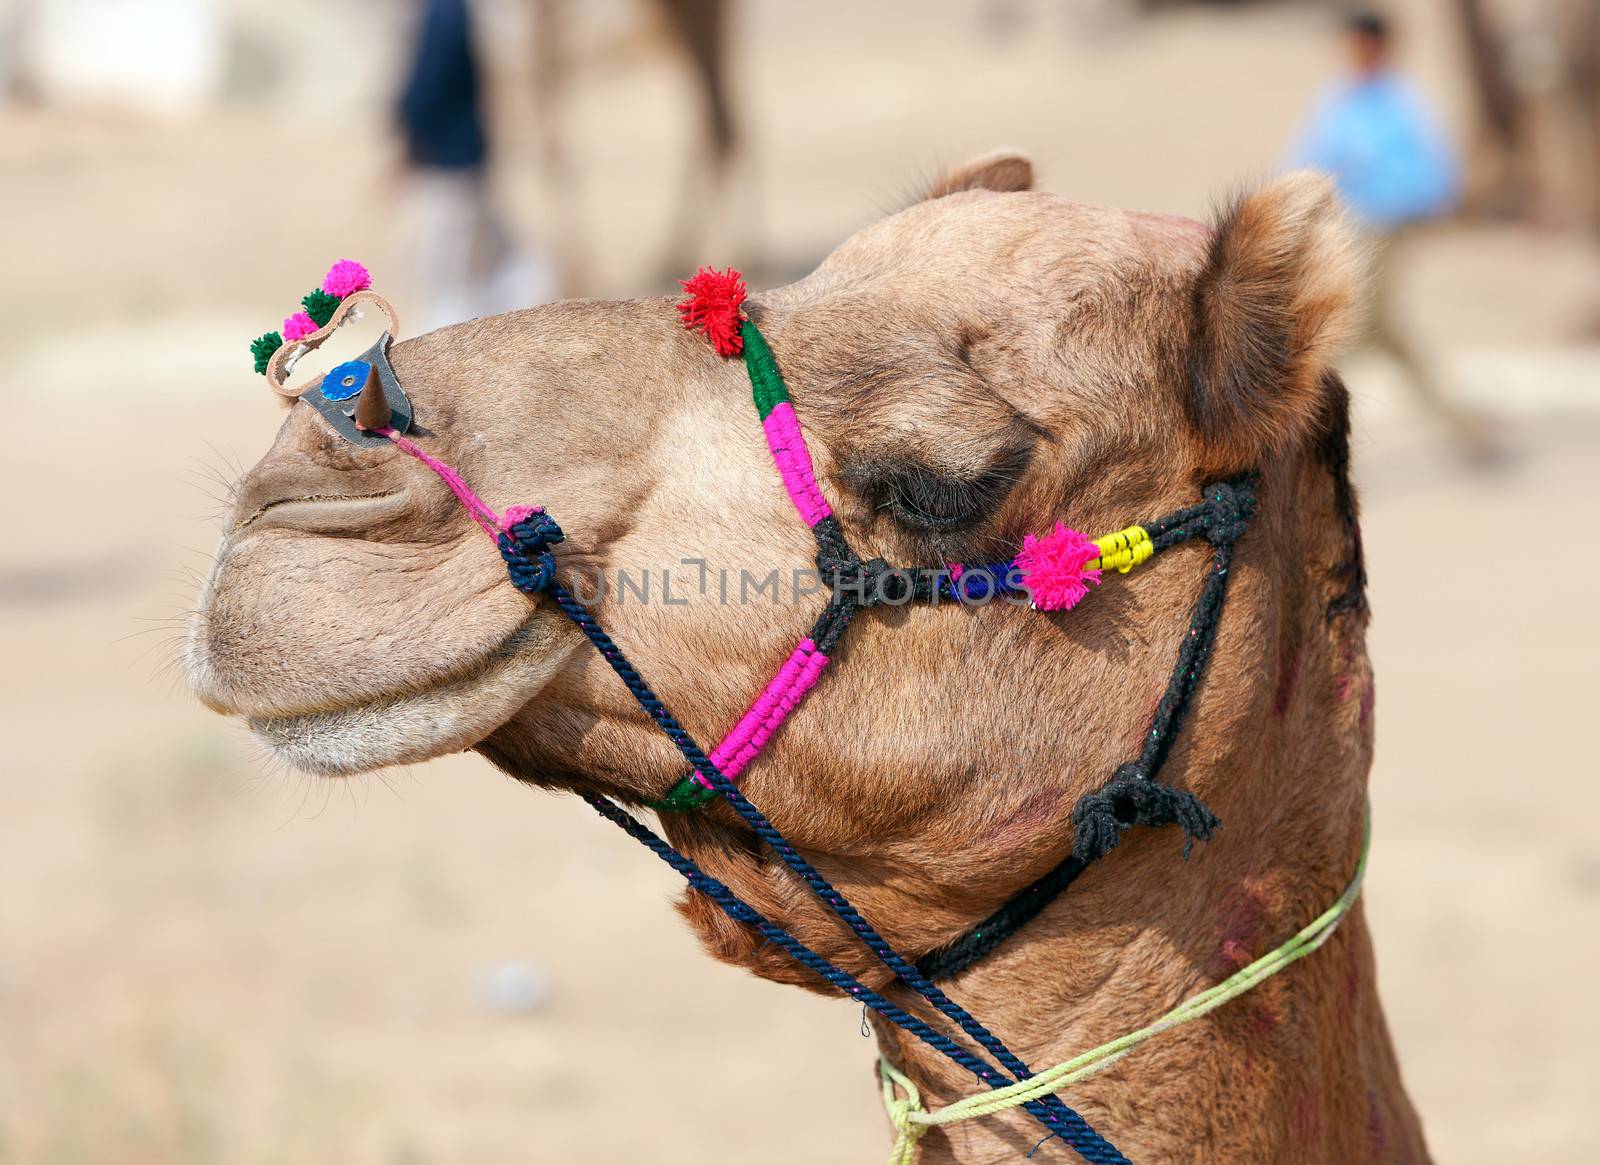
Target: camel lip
(329, 513)
(405, 727)
(231, 703)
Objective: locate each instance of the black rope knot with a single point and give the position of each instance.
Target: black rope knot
(526, 550)
(836, 562)
(854, 581)
(875, 581)
(1230, 507)
(1131, 798)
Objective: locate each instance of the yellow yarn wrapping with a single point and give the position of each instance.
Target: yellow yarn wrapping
(1123, 550)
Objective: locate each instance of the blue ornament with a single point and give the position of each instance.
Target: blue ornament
(346, 380)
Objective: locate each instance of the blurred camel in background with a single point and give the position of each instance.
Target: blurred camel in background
(1535, 73)
(711, 217)
(1535, 77)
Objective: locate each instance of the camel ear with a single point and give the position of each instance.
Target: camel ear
(1277, 297)
(1004, 170)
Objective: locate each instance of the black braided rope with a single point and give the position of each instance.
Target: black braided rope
(1133, 796)
(1089, 1144)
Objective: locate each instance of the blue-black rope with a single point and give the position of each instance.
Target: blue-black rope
(1059, 1119)
(532, 569)
(1134, 795)
(740, 911)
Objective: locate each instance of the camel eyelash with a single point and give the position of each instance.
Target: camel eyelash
(931, 501)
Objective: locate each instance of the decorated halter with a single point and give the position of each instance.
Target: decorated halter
(363, 401)
(358, 397)
(1054, 571)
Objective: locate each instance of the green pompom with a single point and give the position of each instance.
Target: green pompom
(320, 306)
(262, 348)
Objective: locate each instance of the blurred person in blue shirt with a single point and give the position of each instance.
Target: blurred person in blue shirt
(1374, 133)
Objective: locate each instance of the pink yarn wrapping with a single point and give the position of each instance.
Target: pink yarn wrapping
(346, 277)
(1053, 567)
(756, 714)
(793, 459)
(778, 713)
(782, 695)
(298, 327)
(515, 514)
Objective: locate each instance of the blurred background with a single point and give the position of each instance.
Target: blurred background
(206, 959)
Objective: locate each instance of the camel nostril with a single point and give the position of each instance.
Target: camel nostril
(324, 513)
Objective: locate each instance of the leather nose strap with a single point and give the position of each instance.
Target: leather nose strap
(339, 395)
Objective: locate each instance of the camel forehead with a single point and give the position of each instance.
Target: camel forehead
(981, 237)
(955, 252)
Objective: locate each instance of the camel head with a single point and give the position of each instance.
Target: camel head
(972, 369)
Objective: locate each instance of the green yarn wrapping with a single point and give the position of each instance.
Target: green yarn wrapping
(262, 348)
(688, 794)
(766, 383)
(320, 306)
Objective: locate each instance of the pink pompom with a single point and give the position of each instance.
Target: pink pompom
(1053, 568)
(298, 327)
(346, 277)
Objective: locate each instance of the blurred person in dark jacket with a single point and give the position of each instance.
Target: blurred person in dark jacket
(1375, 134)
(465, 263)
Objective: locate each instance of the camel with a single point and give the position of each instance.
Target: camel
(710, 200)
(970, 369)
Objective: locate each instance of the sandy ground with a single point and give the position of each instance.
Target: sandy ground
(203, 959)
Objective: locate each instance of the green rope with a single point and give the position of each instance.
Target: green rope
(911, 1120)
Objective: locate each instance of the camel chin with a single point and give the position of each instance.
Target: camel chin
(417, 726)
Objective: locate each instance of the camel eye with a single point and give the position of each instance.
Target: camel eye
(927, 500)
(930, 501)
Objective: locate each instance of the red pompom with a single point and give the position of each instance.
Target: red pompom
(713, 303)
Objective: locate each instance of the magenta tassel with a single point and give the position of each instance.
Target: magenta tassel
(1054, 568)
(298, 327)
(346, 277)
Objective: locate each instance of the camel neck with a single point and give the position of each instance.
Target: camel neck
(1299, 1068)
